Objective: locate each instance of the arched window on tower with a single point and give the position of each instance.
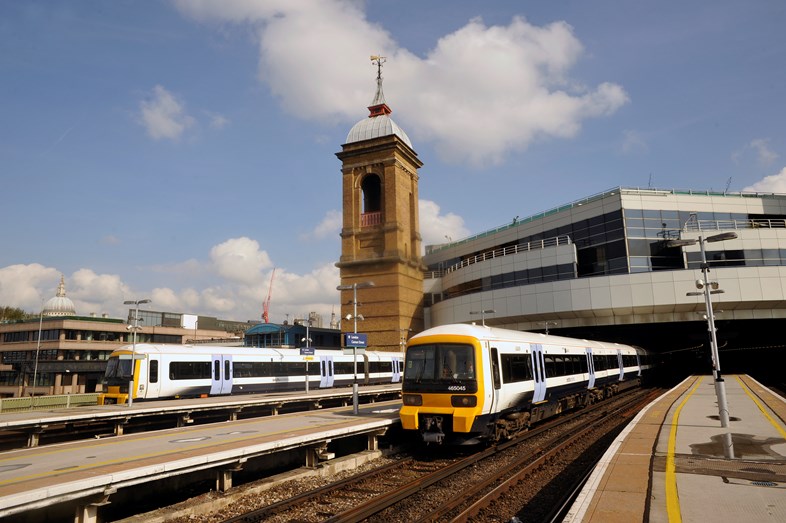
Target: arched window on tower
(372, 201)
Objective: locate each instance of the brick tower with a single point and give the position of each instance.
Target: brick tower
(380, 237)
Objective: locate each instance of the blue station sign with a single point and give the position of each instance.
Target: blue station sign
(353, 339)
(307, 351)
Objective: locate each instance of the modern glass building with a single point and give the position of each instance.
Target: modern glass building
(616, 266)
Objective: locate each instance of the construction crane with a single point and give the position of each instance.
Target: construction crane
(266, 303)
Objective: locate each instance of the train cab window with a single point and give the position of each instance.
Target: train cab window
(440, 362)
(153, 372)
(495, 369)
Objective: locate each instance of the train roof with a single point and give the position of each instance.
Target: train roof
(497, 334)
(162, 348)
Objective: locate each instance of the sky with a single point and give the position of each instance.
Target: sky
(180, 150)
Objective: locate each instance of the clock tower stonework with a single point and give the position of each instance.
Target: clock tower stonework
(380, 236)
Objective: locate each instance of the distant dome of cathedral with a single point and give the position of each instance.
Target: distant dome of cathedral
(378, 122)
(60, 305)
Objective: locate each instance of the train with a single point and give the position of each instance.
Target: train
(174, 371)
(467, 384)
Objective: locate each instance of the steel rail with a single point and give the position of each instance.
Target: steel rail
(621, 414)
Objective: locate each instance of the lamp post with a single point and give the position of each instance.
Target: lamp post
(403, 338)
(483, 315)
(707, 288)
(547, 323)
(133, 328)
(38, 347)
(307, 339)
(354, 316)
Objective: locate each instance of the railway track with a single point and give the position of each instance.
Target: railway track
(451, 489)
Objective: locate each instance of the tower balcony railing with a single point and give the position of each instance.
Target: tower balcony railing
(369, 219)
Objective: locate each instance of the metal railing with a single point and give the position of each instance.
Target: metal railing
(368, 219)
(610, 192)
(509, 250)
(728, 225)
(59, 401)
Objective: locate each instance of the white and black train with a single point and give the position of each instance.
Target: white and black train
(468, 383)
(170, 371)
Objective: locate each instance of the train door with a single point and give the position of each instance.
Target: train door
(153, 377)
(326, 376)
(221, 375)
(590, 369)
(492, 396)
(538, 372)
(621, 365)
(215, 374)
(226, 384)
(397, 366)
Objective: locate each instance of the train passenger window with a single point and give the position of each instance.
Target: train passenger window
(516, 367)
(551, 366)
(153, 373)
(189, 370)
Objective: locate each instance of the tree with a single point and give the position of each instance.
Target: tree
(9, 314)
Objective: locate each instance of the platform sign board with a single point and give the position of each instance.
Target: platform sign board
(307, 351)
(354, 339)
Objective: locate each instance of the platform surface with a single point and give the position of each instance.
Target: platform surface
(35, 477)
(675, 462)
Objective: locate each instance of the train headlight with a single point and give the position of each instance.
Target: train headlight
(464, 401)
(412, 400)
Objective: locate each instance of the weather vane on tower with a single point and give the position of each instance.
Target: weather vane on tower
(378, 106)
(379, 60)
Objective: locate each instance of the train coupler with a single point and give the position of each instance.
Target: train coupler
(432, 430)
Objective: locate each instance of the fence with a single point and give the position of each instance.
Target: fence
(61, 401)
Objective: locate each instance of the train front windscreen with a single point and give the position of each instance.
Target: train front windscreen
(118, 372)
(440, 367)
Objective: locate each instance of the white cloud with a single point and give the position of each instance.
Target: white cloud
(164, 116)
(632, 142)
(759, 148)
(329, 227)
(110, 239)
(775, 183)
(763, 153)
(25, 286)
(481, 93)
(436, 228)
(217, 121)
(239, 259)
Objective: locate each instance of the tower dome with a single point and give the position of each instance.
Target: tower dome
(378, 123)
(60, 305)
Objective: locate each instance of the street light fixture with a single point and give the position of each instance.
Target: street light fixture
(483, 315)
(354, 316)
(707, 288)
(135, 327)
(547, 323)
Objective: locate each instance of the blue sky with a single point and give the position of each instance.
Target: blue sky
(180, 150)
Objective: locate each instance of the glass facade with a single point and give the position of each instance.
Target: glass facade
(620, 242)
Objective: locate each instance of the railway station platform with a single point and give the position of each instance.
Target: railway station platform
(82, 476)
(674, 462)
(32, 425)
